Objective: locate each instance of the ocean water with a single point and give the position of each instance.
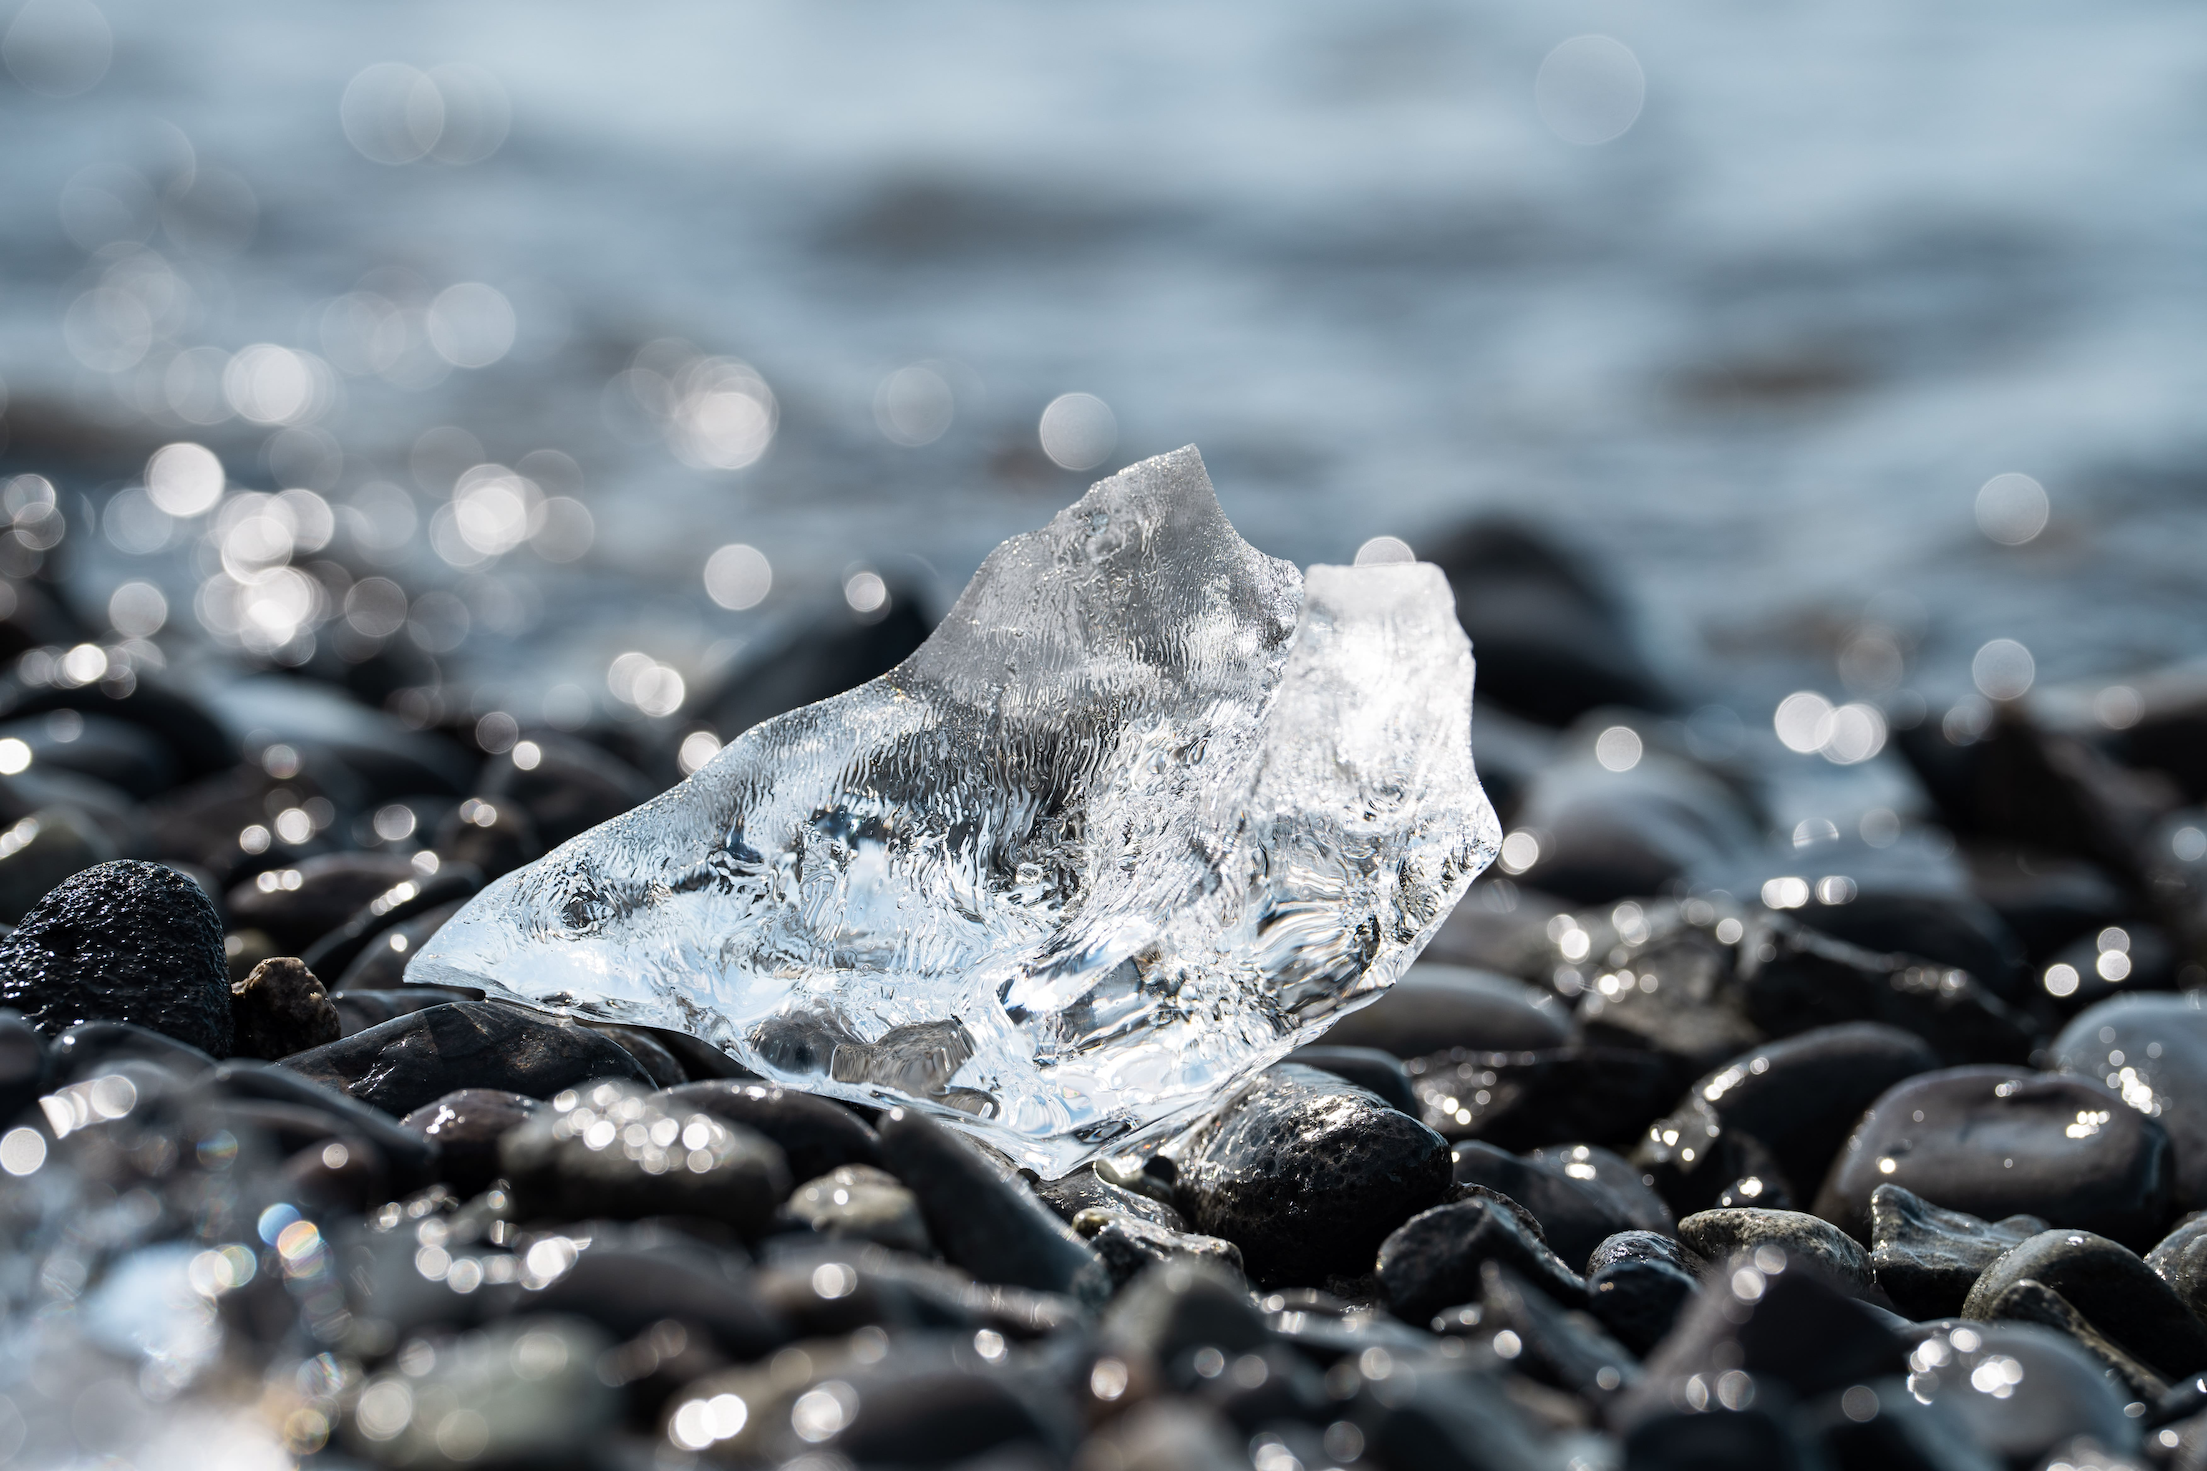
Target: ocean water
(1746, 301)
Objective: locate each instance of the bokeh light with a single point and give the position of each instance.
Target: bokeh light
(1590, 90)
(914, 405)
(1078, 431)
(2003, 670)
(184, 479)
(738, 577)
(1380, 551)
(2012, 509)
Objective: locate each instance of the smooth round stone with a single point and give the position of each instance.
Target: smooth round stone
(1935, 924)
(412, 1161)
(613, 1150)
(1927, 1259)
(983, 1219)
(1575, 1213)
(2180, 1258)
(126, 942)
(1608, 836)
(862, 1202)
(280, 1009)
(2116, 1291)
(381, 960)
(1528, 1100)
(415, 1059)
(1717, 1235)
(96, 1046)
(2000, 1142)
(1307, 1174)
(817, 1134)
(524, 1392)
(43, 849)
(2151, 1049)
(1371, 1069)
(1798, 1098)
(1434, 1259)
(359, 1010)
(297, 904)
(1435, 1007)
(466, 1126)
(2039, 1392)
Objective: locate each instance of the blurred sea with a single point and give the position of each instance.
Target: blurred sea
(1757, 353)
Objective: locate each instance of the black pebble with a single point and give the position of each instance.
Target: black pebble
(296, 905)
(1084, 1189)
(1717, 1235)
(411, 1060)
(466, 1126)
(1927, 1258)
(611, 1149)
(1130, 1244)
(2001, 1142)
(1575, 1214)
(1307, 1174)
(1435, 1007)
(1179, 1306)
(1797, 1098)
(982, 1220)
(1566, 1349)
(1526, 1100)
(82, 1051)
(1433, 1261)
(412, 1161)
(2152, 1049)
(816, 1134)
(2063, 1393)
(126, 941)
(2117, 1293)
(568, 787)
(2181, 1260)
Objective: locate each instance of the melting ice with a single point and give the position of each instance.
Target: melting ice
(1148, 810)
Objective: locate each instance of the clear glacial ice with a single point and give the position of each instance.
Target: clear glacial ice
(1147, 811)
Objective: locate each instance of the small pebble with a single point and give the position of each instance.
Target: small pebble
(466, 1125)
(863, 1203)
(1433, 1261)
(1435, 1007)
(1926, 1258)
(611, 1149)
(1130, 1244)
(1719, 1235)
(2117, 1292)
(280, 1009)
(415, 1059)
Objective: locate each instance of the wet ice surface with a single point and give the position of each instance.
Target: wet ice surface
(1147, 810)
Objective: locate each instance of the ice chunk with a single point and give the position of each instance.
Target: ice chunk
(1147, 811)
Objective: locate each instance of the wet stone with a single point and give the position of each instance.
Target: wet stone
(1575, 1213)
(610, 1149)
(1798, 1099)
(1610, 835)
(2180, 1258)
(1527, 1100)
(41, 850)
(1129, 1244)
(1376, 1072)
(1086, 1189)
(466, 1126)
(280, 1009)
(1718, 1235)
(816, 1134)
(1435, 1007)
(2020, 1390)
(1625, 1181)
(359, 1010)
(2027, 1300)
(862, 1203)
(1998, 1142)
(411, 1161)
(1307, 1174)
(2117, 1292)
(1926, 1258)
(1637, 1284)
(983, 1220)
(1434, 1259)
(2151, 1049)
(415, 1059)
(297, 904)
(128, 942)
